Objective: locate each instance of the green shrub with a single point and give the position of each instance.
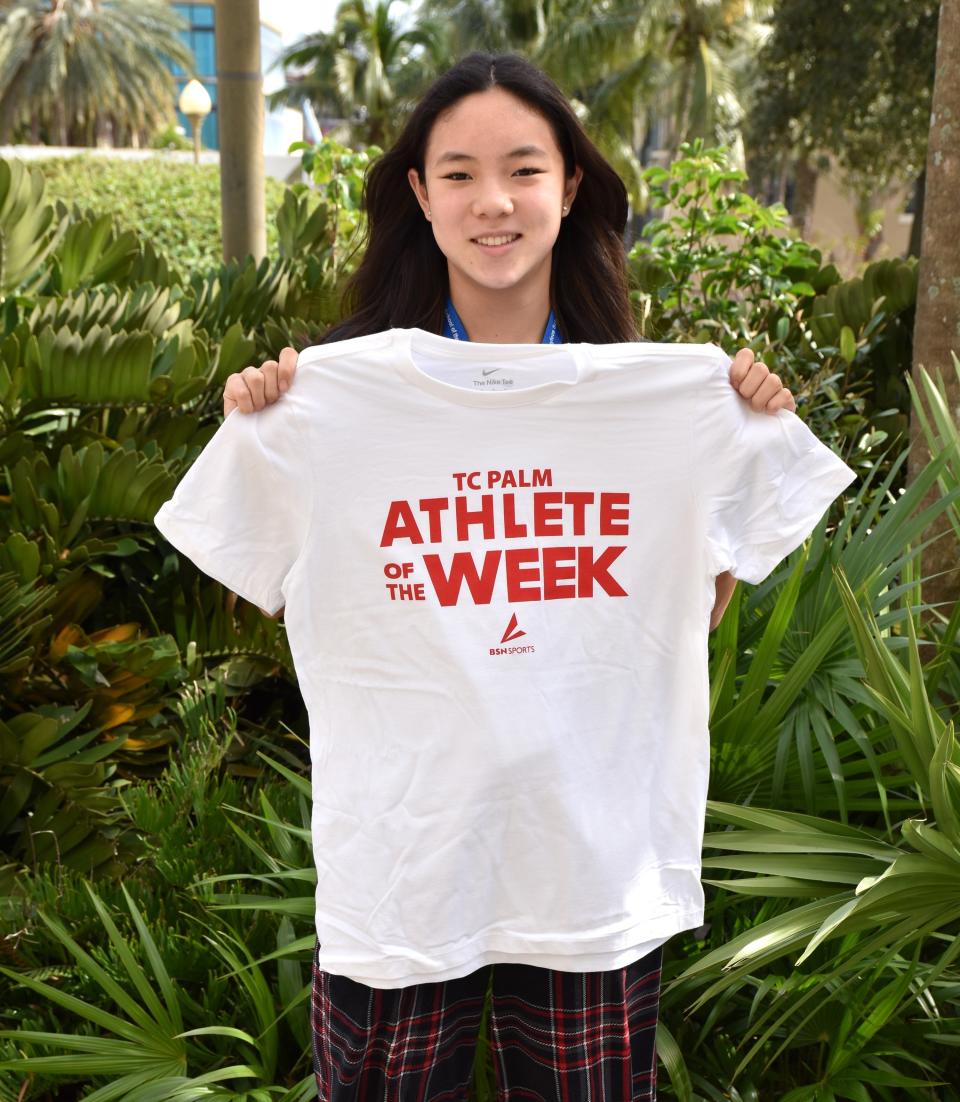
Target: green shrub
(134, 965)
(175, 204)
(170, 137)
(717, 265)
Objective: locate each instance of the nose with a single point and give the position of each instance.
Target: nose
(492, 202)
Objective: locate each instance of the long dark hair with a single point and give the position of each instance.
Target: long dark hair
(402, 278)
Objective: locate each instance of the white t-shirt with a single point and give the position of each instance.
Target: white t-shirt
(498, 568)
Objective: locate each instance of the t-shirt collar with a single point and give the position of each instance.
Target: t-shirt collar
(571, 360)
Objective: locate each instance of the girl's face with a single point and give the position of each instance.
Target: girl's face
(494, 191)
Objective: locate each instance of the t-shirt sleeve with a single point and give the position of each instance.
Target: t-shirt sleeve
(765, 480)
(241, 512)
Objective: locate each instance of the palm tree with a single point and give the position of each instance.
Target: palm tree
(66, 65)
(490, 25)
(364, 68)
(650, 72)
(676, 69)
(641, 72)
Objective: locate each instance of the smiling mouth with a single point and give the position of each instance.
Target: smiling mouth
(496, 240)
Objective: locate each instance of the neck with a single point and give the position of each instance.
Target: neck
(502, 317)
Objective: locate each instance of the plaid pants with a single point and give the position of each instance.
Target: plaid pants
(555, 1036)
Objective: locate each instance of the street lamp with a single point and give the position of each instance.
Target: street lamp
(195, 103)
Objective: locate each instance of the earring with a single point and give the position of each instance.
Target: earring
(428, 212)
(565, 209)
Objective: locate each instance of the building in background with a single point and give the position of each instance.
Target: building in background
(281, 126)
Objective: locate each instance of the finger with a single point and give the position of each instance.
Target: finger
(740, 366)
(253, 378)
(753, 380)
(236, 394)
(288, 366)
(271, 389)
(783, 400)
(766, 393)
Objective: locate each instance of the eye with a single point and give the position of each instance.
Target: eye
(455, 175)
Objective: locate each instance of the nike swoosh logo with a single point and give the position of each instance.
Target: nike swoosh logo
(491, 371)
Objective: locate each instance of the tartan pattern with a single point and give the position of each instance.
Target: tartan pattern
(555, 1036)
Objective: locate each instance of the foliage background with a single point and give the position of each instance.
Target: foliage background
(156, 878)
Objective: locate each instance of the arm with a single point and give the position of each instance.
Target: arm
(726, 584)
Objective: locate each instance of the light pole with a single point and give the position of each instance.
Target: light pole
(195, 103)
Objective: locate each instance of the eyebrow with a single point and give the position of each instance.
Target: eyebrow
(520, 151)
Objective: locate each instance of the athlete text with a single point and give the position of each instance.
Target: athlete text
(550, 513)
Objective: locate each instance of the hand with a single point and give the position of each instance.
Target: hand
(757, 383)
(256, 387)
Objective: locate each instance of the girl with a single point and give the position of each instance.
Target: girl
(494, 219)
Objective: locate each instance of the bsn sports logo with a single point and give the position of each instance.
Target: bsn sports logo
(513, 632)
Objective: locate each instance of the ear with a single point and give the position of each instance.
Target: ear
(570, 187)
(418, 189)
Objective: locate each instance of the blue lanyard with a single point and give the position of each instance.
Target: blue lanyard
(454, 328)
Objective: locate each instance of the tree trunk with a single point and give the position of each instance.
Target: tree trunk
(60, 123)
(104, 132)
(937, 328)
(781, 180)
(804, 194)
(863, 206)
(913, 247)
(12, 95)
(240, 114)
(873, 244)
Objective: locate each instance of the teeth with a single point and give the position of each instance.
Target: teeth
(497, 240)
